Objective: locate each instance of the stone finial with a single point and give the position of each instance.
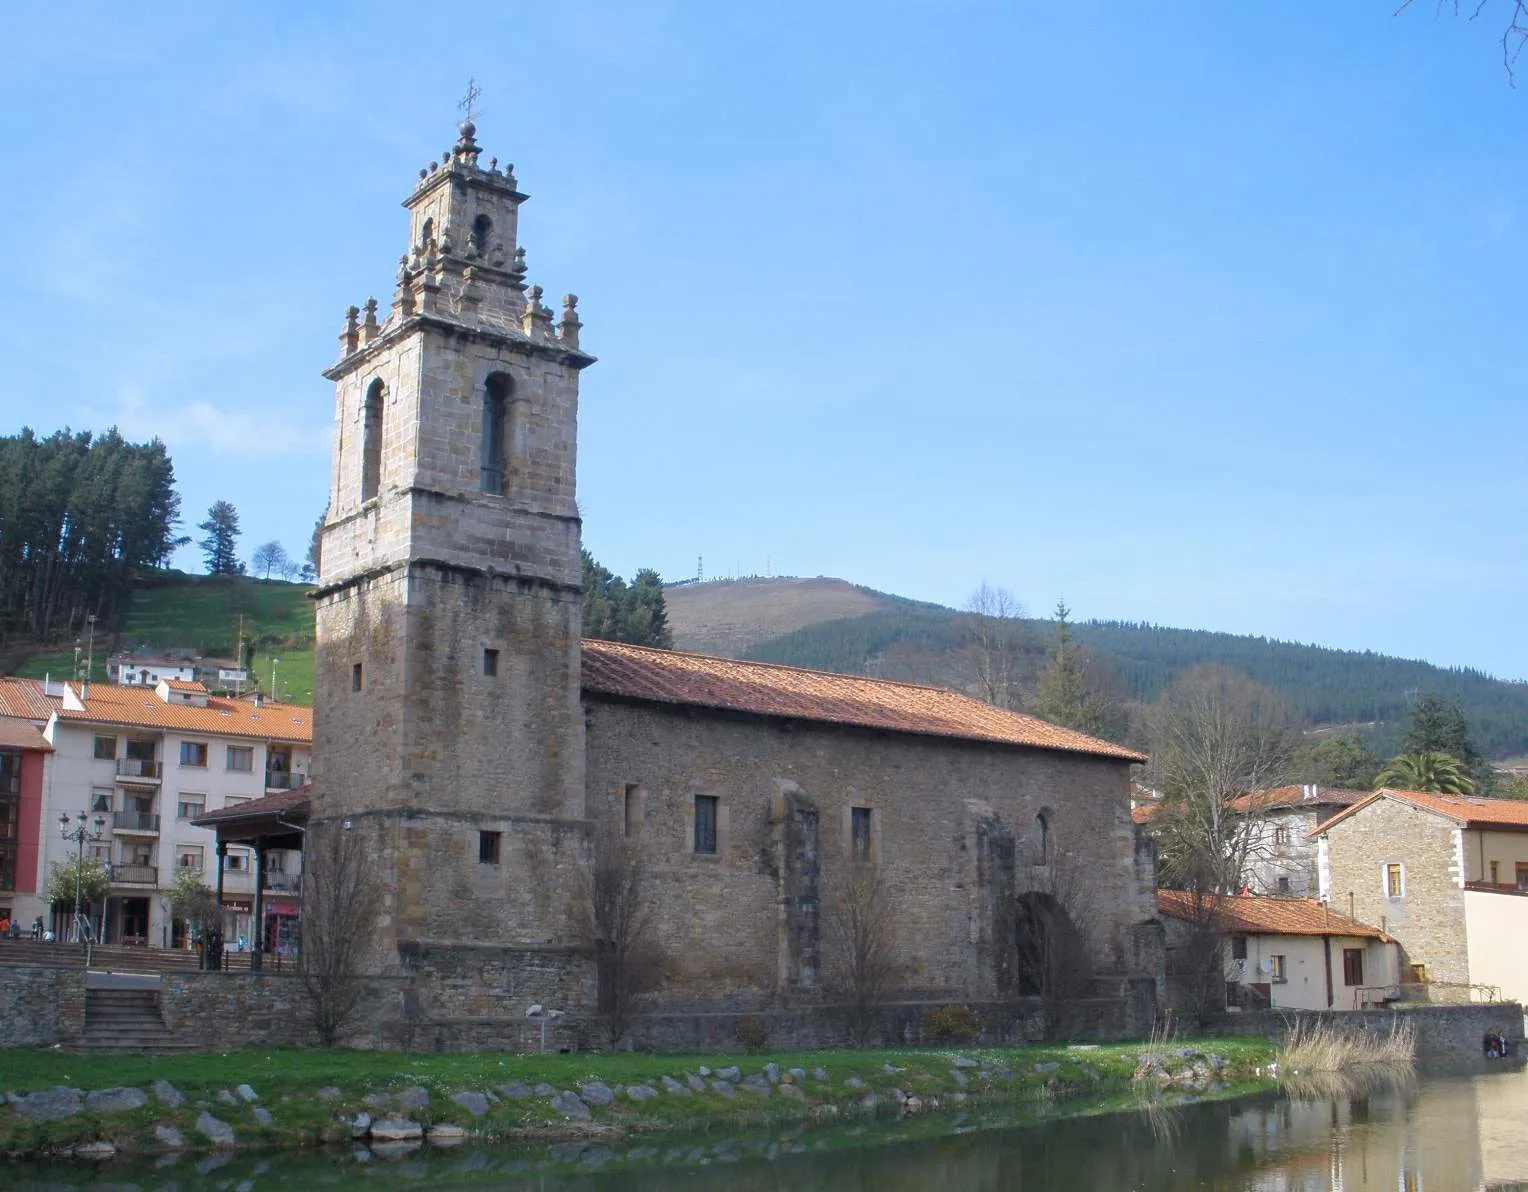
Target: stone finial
(570, 324)
(350, 335)
(493, 165)
(537, 320)
(518, 269)
(369, 324)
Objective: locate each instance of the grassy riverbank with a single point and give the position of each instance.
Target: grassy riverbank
(307, 1098)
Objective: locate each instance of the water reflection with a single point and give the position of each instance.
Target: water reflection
(1464, 1133)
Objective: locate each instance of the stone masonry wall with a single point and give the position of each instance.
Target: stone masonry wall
(1429, 919)
(1444, 1033)
(41, 1005)
(734, 927)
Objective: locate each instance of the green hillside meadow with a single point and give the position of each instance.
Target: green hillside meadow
(201, 613)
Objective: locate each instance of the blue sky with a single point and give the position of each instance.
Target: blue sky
(1197, 313)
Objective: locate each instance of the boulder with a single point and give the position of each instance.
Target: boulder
(544, 1089)
(516, 1092)
(447, 1135)
(772, 1073)
(169, 1135)
(793, 1091)
(218, 1133)
(416, 1099)
(226, 1098)
(474, 1103)
(571, 1107)
(360, 1125)
(247, 1094)
(673, 1087)
(757, 1085)
(263, 1115)
(641, 1092)
(49, 1106)
(963, 1062)
(696, 1082)
(729, 1074)
(118, 1100)
(723, 1089)
(798, 1074)
(960, 1078)
(820, 1073)
(329, 1093)
(168, 1095)
(854, 1082)
(596, 1093)
(396, 1130)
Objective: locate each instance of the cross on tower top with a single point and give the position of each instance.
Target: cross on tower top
(468, 104)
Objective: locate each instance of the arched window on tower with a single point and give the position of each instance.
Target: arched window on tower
(498, 434)
(371, 440)
(482, 235)
(1040, 842)
(427, 233)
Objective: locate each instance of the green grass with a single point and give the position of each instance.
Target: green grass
(1050, 1080)
(202, 613)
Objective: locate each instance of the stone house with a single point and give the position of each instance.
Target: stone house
(1447, 877)
(1289, 953)
(481, 751)
(1281, 855)
(147, 763)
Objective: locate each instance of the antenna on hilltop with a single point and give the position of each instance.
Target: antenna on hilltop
(468, 104)
(700, 569)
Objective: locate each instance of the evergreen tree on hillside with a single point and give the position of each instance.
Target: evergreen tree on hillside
(618, 613)
(1062, 695)
(315, 547)
(1438, 726)
(220, 546)
(1343, 761)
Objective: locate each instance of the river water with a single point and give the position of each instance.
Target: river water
(1459, 1133)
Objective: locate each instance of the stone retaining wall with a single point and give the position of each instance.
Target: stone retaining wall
(41, 1005)
(1444, 1033)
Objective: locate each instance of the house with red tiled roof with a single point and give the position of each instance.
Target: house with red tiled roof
(1281, 857)
(1287, 953)
(1446, 876)
(138, 765)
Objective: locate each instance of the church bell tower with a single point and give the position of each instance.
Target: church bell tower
(448, 726)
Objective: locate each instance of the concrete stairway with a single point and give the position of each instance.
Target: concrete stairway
(126, 1020)
(113, 958)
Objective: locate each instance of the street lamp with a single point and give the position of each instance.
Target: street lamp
(79, 830)
(276, 699)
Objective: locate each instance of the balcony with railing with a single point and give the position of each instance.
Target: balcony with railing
(284, 780)
(135, 875)
(139, 769)
(283, 883)
(143, 822)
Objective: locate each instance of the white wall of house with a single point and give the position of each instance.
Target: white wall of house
(147, 673)
(136, 844)
(1496, 856)
(1304, 965)
(1281, 861)
(1496, 923)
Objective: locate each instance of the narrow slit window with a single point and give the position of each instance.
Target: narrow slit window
(371, 441)
(497, 431)
(357, 677)
(859, 832)
(705, 824)
(631, 809)
(488, 847)
(1395, 881)
(491, 663)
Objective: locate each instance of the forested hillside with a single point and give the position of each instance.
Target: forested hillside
(924, 643)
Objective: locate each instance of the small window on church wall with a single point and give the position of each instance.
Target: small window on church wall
(371, 441)
(427, 233)
(1040, 842)
(631, 809)
(705, 824)
(356, 677)
(482, 235)
(497, 432)
(491, 663)
(488, 847)
(859, 832)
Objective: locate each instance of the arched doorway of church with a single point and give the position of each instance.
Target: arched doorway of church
(1050, 954)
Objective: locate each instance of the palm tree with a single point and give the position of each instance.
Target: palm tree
(1438, 773)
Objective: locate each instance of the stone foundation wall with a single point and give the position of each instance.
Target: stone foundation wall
(41, 1005)
(1444, 1033)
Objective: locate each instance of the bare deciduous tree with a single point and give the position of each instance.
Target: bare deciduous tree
(860, 946)
(614, 920)
(268, 557)
(340, 895)
(1514, 35)
(1219, 741)
(994, 645)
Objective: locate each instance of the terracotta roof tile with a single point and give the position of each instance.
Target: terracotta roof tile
(1468, 811)
(186, 685)
(1279, 798)
(670, 677)
(139, 707)
(21, 734)
(1252, 915)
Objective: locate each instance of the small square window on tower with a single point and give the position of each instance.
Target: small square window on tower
(488, 847)
(356, 678)
(491, 663)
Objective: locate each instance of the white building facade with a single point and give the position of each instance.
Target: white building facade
(138, 766)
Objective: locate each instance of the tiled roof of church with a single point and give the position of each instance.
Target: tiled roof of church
(763, 689)
(1252, 915)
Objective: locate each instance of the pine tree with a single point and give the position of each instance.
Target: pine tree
(618, 613)
(1062, 695)
(219, 547)
(1438, 726)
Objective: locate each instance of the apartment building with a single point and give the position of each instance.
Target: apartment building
(140, 765)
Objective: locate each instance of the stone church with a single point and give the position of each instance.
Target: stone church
(482, 750)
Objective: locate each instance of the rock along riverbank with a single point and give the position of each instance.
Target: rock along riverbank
(58, 1106)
